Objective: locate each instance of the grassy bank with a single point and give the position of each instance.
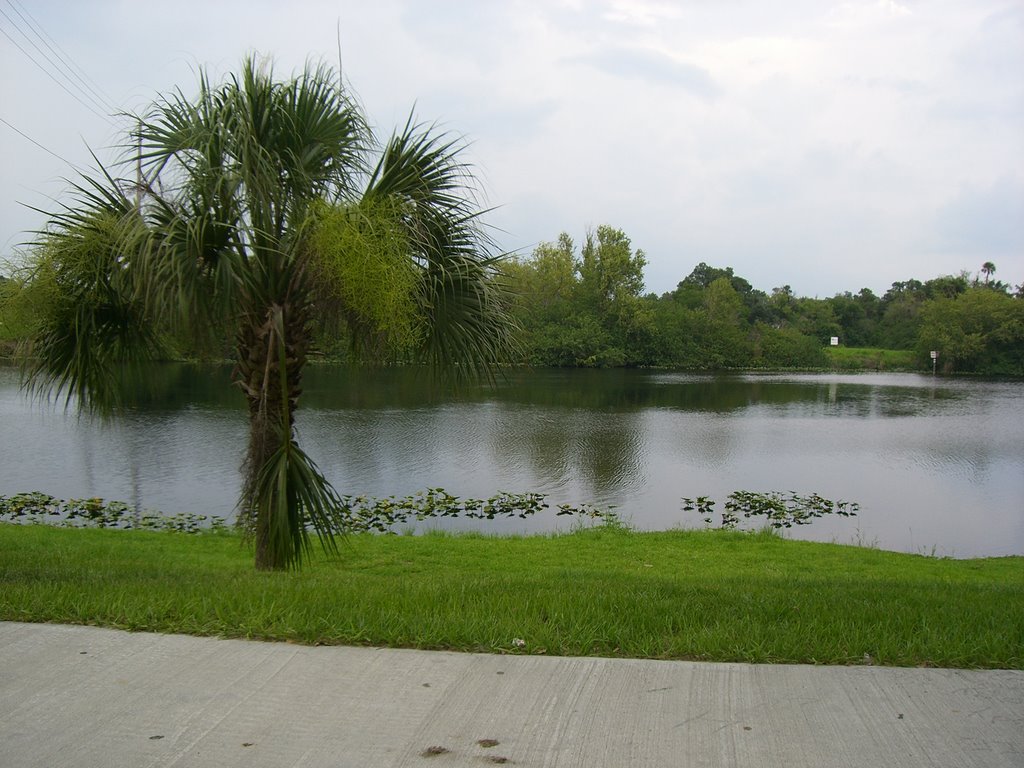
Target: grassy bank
(871, 359)
(712, 595)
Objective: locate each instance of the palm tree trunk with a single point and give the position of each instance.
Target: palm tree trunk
(272, 400)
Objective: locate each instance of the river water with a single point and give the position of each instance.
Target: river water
(937, 465)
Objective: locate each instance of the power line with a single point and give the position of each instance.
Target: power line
(45, 149)
(69, 64)
(43, 69)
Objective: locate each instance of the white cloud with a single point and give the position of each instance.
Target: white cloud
(651, 66)
(640, 13)
(858, 15)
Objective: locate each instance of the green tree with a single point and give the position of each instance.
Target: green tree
(988, 269)
(610, 270)
(611, 280)
(677, 335)
(726, 343)
(268, 207)
(783, 304)
(545, 286)
(816, 318)
(14, 317)
(851, 314)
(900, 309)
(786, 348)
(690, 291)
(979, 331)
(584, 310)
(946, 285)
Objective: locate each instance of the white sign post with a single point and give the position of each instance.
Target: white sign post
(935, 357)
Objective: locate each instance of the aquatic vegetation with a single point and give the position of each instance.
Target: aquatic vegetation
(779, 510)
(41, 508)
(390, 514)
(383, 515)
(354, 514)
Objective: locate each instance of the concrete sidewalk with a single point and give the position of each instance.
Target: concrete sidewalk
(81, 696)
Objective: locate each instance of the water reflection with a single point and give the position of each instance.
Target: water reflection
(933, 462)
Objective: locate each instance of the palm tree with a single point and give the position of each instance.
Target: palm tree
(988, 269)
(267, 209)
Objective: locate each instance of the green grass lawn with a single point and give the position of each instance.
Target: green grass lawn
(871, 359)
(715, 595)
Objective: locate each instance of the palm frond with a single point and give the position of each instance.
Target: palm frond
(464, 305)
(469, 326)
(292, 495)
(92, 327)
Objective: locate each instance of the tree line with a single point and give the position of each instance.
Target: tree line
(585, 306)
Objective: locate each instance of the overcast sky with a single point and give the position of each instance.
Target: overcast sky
(828, 146)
